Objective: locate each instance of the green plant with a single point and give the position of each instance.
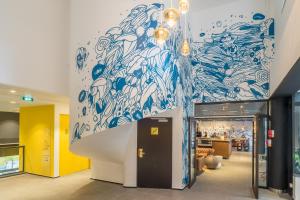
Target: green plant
(297, 161)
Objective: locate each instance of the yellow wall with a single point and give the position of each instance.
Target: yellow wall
(69, 162)
(37, 135)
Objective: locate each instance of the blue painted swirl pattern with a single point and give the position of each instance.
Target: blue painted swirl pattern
(234, 65)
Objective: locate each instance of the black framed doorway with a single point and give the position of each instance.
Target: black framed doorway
(220, 110)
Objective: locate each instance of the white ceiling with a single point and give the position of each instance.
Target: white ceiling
(7, 98)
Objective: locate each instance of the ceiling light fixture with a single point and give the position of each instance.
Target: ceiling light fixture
(12, 91)
(183, 6)
(185, 48)
(12, 102)
(161, 34)
(171, 16)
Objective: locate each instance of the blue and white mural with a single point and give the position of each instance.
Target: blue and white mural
(186, 81)
(233, 64)
(132, 77)
(125, 76)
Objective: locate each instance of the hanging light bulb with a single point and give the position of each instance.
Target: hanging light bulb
(183, 6)
(171, 16)
(185, 48)
(161, 34)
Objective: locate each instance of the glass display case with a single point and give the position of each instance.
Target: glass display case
(296, 132)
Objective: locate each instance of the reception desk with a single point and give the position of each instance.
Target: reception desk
(221, 147)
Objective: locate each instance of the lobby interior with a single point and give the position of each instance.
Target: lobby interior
(144, 99)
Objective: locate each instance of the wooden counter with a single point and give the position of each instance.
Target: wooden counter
(222, 148)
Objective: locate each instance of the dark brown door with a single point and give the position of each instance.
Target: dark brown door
(154, 165)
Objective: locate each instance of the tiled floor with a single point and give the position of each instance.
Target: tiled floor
(232, 181)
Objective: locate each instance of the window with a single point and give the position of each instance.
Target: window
(296, 132)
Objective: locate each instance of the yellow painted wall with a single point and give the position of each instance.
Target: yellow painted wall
(69, 162)
(37, 135)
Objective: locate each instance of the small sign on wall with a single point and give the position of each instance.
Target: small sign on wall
(154, 131)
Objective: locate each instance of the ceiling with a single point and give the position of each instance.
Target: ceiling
(11, 98)
(238, 109)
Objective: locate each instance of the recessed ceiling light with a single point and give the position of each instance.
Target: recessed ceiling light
(12, 91)
(12, 102)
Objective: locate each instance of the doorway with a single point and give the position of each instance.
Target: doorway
(231, 146)
(154, 162)
(66, 157)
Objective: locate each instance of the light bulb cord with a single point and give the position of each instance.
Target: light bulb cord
(185, 27)
(161, 12)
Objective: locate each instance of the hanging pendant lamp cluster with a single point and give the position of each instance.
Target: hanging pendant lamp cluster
(171, 16)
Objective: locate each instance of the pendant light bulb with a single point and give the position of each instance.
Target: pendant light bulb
(161, 34)
(171, 16)
(185, 48)
(184, 6)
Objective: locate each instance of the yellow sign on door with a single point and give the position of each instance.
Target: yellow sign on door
(154, 131)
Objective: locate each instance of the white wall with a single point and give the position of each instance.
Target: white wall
(287, 40)
(34, 39)
(114, 152)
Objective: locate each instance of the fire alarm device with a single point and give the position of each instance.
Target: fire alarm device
(271, 134)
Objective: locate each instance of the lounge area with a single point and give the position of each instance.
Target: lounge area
(216, 140)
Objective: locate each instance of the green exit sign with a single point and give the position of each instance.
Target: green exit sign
(27, 98)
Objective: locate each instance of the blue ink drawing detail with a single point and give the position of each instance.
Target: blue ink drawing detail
(81, 57)
(234, 64)
(132, 77)
(258, 16)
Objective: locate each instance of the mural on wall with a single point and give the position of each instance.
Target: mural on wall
(186, 82)
(125, 76)
(131, 77)
(233, 64)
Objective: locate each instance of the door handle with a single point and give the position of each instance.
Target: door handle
(141, 152)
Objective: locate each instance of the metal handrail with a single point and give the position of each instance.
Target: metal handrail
(14, 146)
